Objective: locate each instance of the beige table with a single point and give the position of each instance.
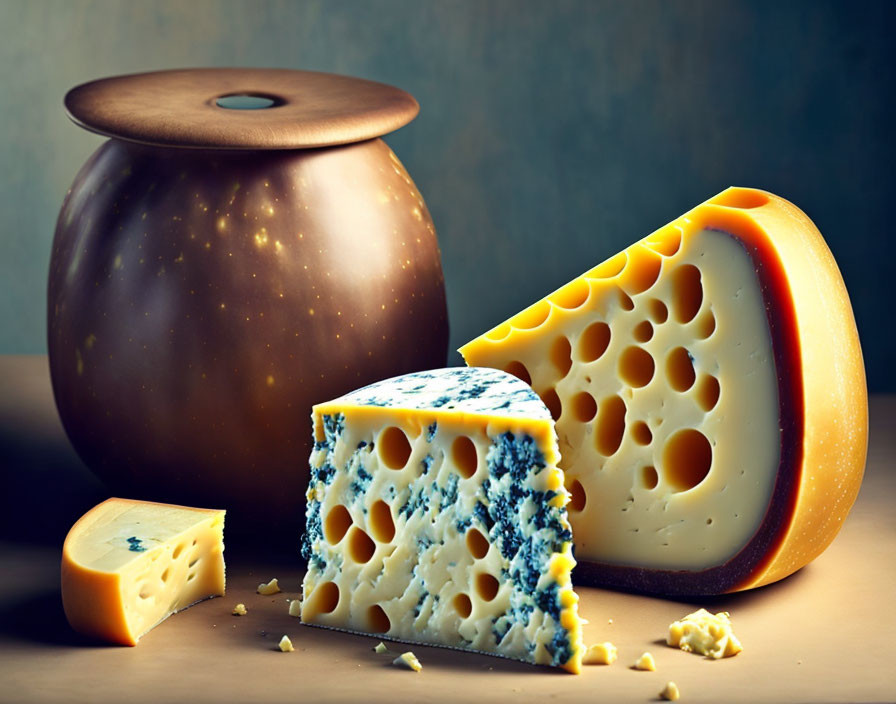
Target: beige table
(824, 635)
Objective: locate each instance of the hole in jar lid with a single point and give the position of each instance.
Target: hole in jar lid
(247, 101)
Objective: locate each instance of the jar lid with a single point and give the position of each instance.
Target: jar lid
(241, 108)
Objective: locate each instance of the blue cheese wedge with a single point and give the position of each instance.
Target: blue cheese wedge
(436, 514)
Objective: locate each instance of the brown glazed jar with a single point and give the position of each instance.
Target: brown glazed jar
(244, 246)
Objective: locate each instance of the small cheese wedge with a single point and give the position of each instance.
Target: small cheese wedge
(709, 394)
(436, 515)
(128, 565)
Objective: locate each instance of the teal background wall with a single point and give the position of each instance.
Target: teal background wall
(551, 134)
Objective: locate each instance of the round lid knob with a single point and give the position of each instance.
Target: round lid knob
(242, 108)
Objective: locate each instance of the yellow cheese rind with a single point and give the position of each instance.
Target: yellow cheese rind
(127, 565)
(813, 461)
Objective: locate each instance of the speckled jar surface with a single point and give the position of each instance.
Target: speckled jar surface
(201, 300)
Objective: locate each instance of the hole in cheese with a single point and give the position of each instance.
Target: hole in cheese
(625, 301)
(610, 425)
(584, 407)
(381, 524)
(360, 546)
(642, 271)
(649, 477)
(610, 268)
(667, 241)
(687, 292)
(641, 433)
(477, 544)
(744, 198)
(177, 551)
(636, 366)
(708, 391)
(552, 401)
(687, 458)
(658, 311)
(486, 586)
(573, 295)
(532, 317)
(499, 333)
(463, 605)
(643, 331)
(464, 456)
(706, 325)
(323, 600)
(165, 574)
(593, 342)
(577, 496)
(337, 523)
(680, 369)
(518, 369)
(377, 620)
(561, 355)
(394, 448)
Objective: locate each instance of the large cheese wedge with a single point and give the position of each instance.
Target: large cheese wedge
(710, 400)
(436, 515)
(128, 565)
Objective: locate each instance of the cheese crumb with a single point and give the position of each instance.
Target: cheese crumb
(286, 644)
(295, 608)
(670, 692)
(380, 648)
(705, 634)
(600, 654)
(271, 587)
(409, 661)
(239, 610)
(645, 662)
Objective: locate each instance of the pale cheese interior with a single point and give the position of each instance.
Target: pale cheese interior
(658, 368)
(166, 557)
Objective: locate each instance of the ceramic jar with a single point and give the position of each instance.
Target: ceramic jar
(244, 246)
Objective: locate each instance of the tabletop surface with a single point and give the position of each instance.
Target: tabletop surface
(822, 635)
